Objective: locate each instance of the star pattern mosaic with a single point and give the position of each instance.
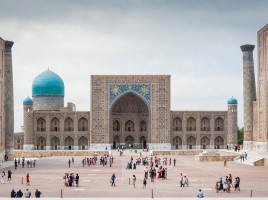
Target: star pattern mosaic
(116, 90)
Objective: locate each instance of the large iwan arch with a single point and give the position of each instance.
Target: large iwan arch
(130, 109)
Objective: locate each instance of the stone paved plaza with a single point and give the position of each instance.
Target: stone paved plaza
(95, 180)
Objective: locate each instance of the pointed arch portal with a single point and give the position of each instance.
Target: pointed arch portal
(132, 111)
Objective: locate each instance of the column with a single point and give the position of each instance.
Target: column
(249, 93)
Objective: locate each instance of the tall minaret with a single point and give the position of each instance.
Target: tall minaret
(249, 93)
(8, 100)
(232, 123)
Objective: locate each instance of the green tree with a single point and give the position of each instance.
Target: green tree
(240, 135)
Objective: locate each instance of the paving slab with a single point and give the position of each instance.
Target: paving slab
(48, 174)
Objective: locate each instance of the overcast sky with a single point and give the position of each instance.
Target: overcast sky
(196, 42)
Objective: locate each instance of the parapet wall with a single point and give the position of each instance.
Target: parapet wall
(177, 152)
(50, 153)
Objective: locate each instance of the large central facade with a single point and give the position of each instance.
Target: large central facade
(132, 110)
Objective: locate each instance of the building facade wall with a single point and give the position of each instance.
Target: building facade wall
(63, 136)
(204, 134)
(153, 89)
(260, 117)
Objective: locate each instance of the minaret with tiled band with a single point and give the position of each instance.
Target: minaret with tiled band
(28, 124)
(232, 123)
(249, 93)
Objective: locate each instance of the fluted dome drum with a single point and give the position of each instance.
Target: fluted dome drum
(48, 91)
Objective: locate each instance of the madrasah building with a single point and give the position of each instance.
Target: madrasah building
(130, 111)
(134, 111)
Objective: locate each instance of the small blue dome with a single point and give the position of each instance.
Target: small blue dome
(28, 101)
(48, 83)
(232, 101)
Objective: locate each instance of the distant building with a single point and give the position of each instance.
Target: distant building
(126, 110)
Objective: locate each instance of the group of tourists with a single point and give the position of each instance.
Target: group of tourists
(30, 163)
(4, 176)
(71, 180)
(225, 185)
(19, 194)
(89, 161)
(184, 181)
(243, 156)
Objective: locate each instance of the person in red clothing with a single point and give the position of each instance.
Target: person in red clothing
(27, 179)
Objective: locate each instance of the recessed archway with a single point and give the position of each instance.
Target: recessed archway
(133, 112)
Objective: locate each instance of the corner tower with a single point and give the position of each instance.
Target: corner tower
(28, 124)
(6, 99)
(249, 93)
(232, 123)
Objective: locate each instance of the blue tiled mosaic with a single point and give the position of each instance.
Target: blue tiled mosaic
(143, 90)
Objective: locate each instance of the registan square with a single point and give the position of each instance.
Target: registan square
(133, 99)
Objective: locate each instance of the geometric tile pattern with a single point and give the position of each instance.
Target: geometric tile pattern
(249, 90)
(143, 90)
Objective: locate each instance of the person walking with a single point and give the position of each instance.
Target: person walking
(15, 163)
(77, 180)
(181, 181)
(113, 180)
(27, 180)
(9, 175)
(69, 162)
(174, 161)
(200, 194)
(144, 182)
(134, 181)
(38, 193)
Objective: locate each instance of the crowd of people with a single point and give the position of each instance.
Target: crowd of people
(30, 163)
(70, 180)
(19, 194)
(225, 185)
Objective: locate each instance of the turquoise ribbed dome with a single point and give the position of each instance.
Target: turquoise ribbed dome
(28, 101)
(48, 83)
(232, 101)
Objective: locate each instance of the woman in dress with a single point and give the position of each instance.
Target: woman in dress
(28, 179)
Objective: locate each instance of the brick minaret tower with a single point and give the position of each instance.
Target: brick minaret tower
(28, 124)
(249, 93)
(232, 123)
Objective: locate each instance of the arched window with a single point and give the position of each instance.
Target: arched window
(177, 124)
(219, 124)
(41, 143)
(143, 126)
(83, 124)
(219, 142)
(41, 124)
(205, 142)
(191, 142)
(191, 124)
(177, 142)
(129, 126)
(83, 143)
(205, 124)
(68, 124)
(55, 124)
(116, 126)
(69, 143)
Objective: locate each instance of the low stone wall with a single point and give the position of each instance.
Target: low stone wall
(260, 162)
(177, 152)
(50, 153)
(201, 155)
(266, 162)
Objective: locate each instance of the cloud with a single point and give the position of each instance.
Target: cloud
(196, 42)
